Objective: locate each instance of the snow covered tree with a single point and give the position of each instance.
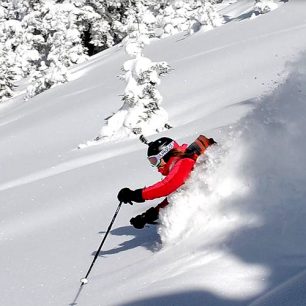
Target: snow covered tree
(18, 9)
(22, 44)
(7, 74)
(264, 6)
(184, 15)
(141, 112)
(46, 37)
(203, 16)
(117, 18)
(109, 30)
(61, 26)
(9, 30)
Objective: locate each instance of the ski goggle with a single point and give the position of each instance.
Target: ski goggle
(156, 159)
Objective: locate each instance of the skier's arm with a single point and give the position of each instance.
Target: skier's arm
(172, 182)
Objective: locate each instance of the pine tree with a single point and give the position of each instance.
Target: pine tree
(264, 6)
(8, 71)
(141, 112)
(46, 37)
(184, 15)
(62, 26)
(203, 16)
(7, 74)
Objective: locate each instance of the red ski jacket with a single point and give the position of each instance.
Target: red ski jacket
(176, 170)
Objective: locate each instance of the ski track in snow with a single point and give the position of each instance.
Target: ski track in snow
(244, 41)
(66, 167)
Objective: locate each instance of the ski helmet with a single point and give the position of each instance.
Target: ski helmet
(159, 149)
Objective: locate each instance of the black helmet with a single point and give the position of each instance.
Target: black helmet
(162, 144)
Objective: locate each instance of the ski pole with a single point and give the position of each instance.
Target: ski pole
(84, 280)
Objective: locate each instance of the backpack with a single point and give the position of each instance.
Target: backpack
(199, 146)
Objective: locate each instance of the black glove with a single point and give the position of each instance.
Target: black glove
(126, 195)
(138, 221)
(150, 216)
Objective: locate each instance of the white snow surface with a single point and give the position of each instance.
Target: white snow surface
(232, 235)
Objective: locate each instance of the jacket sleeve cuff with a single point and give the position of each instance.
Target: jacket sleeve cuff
(137, 196)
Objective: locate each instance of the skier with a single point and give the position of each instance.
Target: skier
(173, 161)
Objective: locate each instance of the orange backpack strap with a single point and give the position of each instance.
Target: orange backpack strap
(200, 145)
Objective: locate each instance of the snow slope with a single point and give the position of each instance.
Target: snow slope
(234, 234)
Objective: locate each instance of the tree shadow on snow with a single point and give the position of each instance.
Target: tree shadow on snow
(241, 17)
(147, 238)
(192, 297)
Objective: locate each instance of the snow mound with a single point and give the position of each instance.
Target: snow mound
(198, 205)
(255, 181)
